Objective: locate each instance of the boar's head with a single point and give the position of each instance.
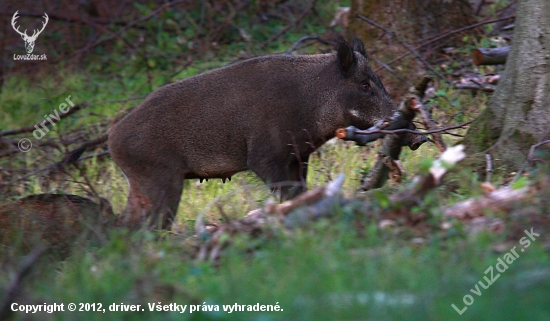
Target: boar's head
(361, 94)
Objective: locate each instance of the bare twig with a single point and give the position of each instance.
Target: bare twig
(530, 158)
(29, 129)
(133, 23)
(404, 44)
(531, 154)
(305, 38)
(391, 70)
(453, 134)
(288, 27)
(445, 35)
(477, 6)
(222, 212)
(72, 110)
(98, 155)
(405, 130)
(430, 124)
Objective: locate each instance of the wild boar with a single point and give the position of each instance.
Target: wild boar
(59, 221)
(265, 114)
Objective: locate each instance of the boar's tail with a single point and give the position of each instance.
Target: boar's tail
(74, 155)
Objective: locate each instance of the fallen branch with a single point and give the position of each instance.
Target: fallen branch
(425, 183)
(429, 123)
(476, 86)
(303, 208)
(386, 163)
(503, 199)
(490, 56)
(309, 206)
(388, 155)
(447, 34)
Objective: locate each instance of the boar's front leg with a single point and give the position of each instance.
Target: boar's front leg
(298, 174)
(288, 177)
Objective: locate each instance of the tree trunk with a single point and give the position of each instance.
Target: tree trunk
(518, 114)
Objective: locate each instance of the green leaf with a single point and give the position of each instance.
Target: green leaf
(520, 183)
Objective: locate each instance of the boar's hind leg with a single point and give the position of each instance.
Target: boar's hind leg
(279, 172)
(153, 198)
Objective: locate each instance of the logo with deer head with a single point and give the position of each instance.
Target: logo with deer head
(29, 40)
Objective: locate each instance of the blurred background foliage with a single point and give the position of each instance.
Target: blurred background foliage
(106, 35)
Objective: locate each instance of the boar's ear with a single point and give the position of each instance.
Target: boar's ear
(359, 47)
(345, 56)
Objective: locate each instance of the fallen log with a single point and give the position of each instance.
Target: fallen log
(388, 156)
(476, 86)
(502, 199)
(425, 183)
(490, 56)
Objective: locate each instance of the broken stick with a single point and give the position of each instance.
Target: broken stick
(490, 56)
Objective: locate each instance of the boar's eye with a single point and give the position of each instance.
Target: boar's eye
(365, 86)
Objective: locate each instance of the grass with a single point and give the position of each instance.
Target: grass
(320, 273)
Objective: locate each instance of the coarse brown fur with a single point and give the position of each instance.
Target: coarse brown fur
(266, 114)
(57, 220)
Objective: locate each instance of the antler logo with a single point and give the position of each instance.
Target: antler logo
(29, 41)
